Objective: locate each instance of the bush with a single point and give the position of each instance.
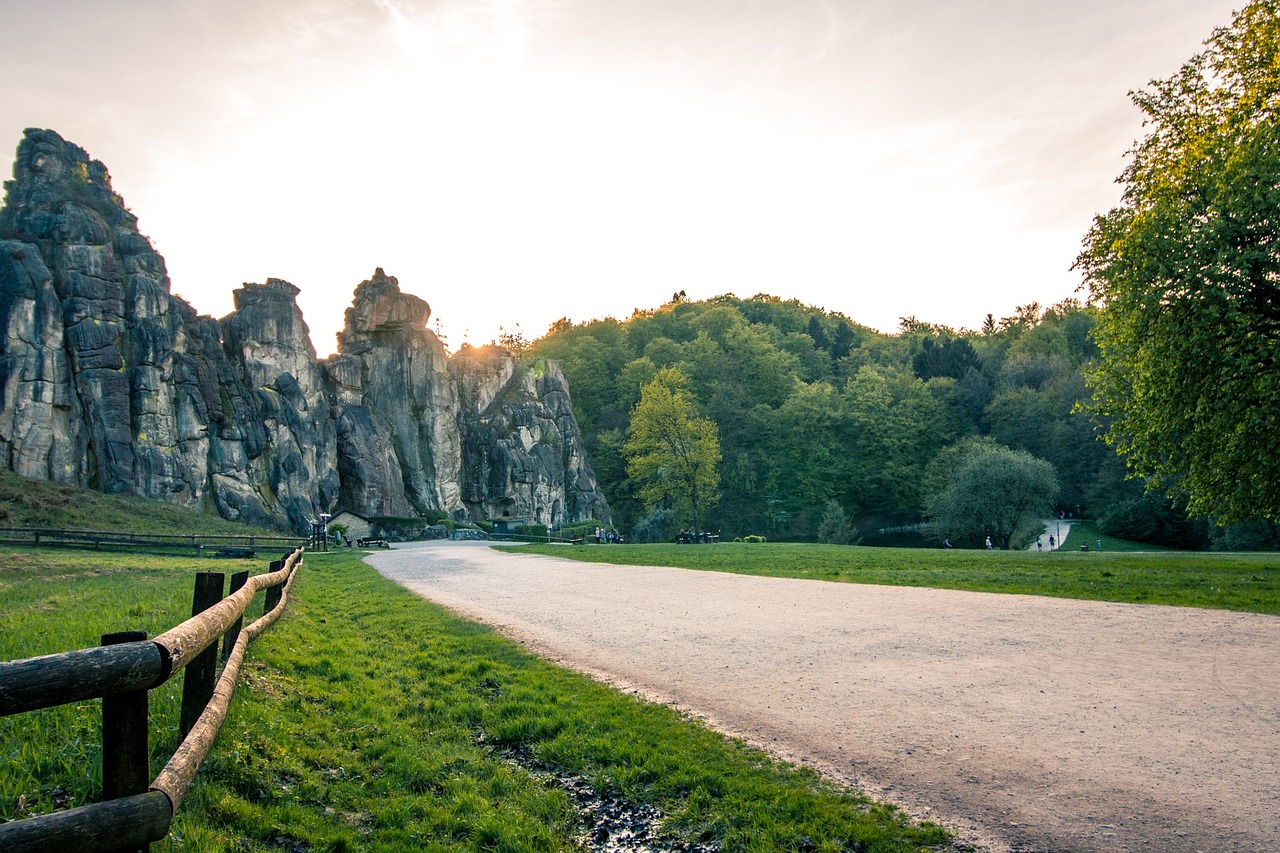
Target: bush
(1155, 520)
(657, 526)
(753, 538)
(1258, 534)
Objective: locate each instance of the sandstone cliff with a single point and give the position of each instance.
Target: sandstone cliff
(107, 380)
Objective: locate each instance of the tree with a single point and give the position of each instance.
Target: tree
(513, 340)
(990, 490)
(672, 452)
(946, 356)
(835, 527)
(1187, 271)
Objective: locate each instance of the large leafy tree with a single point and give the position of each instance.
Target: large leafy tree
(672, 452)
(986, 489)
(1187, 269)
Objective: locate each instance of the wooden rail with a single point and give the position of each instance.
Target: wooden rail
(199, 543)
(121, 671)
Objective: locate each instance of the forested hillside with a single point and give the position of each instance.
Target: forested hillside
(813, 408)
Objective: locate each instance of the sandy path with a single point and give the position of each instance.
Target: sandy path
(1021, 723)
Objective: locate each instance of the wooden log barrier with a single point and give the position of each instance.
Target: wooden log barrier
(201, 673)
(51, 680)
(130, 823)
(238, 580)
(177, 777)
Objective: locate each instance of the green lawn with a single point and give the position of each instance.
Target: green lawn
(369, 719)
(1248, 582)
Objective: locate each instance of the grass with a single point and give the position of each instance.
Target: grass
(57, 601)
(37, 503)
(1088, 533)
(369, 719)
(1246, 582)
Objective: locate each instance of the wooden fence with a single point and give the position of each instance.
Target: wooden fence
(201, 544)
(135, 812)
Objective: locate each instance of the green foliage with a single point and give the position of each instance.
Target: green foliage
(1187, 272)
(1245, 582)
(990, 491)
(836, 528)
(810, 408)
(672, 452)
(1155, 519)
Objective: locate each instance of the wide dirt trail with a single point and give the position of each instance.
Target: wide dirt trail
(1021, 723)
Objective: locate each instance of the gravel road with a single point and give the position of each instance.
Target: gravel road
(1021, 723)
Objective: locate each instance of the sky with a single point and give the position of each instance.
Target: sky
(513, 162)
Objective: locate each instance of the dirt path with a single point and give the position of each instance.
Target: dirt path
(1022, 723)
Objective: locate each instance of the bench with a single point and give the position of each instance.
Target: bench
(372, 542)
(235, 552)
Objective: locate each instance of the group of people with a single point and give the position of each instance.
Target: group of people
(609, 536)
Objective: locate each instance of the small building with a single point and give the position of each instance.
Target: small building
(355, 525)
(508, 525)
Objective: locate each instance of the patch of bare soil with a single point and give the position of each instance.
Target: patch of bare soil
(1021, 723)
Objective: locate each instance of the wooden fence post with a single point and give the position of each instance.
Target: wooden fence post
(200, 675)
(126, 751)
(238, 580)
(274, 593)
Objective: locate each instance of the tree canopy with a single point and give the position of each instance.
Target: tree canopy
(811, 408)
(990, 491)
(1187, 269)
(672, 452)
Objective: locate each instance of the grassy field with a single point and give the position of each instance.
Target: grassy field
(370, 719)
(1249, 582)
(36, 503)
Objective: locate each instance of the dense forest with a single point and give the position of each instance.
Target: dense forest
(813, 408)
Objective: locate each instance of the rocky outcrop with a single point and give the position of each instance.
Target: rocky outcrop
(391, 375)
(523, 454)
(107, 380)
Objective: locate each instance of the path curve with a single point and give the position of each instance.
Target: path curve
(1021, 723)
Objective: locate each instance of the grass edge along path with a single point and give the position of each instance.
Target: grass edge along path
(1225, 581)
(371, 719)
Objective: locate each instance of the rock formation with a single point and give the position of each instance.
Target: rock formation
(109, 381)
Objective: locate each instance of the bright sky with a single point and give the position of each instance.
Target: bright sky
(516, 161)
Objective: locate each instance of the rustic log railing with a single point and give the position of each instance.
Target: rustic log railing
(200, 543)
(121, 671)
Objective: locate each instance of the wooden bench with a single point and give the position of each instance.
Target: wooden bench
(235, 552)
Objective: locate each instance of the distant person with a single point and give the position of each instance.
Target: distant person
(989, 545)
(946, 543)
(1039, 544)
(1050, 542)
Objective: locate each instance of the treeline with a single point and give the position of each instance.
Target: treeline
(813, 408)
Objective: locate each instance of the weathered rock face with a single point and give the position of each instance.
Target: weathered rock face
(392, 375)
(90, 337)
(109, 381)
(523, 455)
(268, 338)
